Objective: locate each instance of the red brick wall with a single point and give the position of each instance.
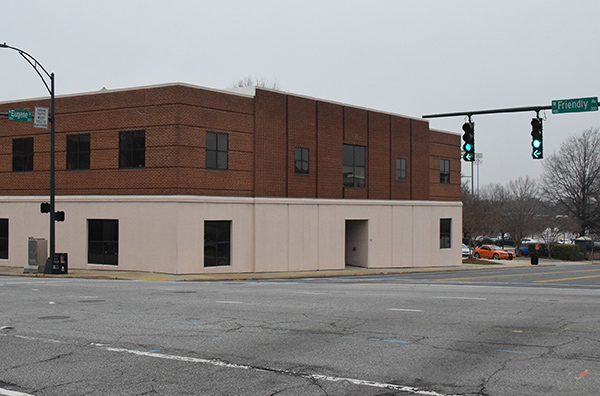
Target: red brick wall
(444, 146)
(270, 144)
(419, 160)
(330, 138)
(401, 148)
(263, 134)
(302, 132)
(379, 176)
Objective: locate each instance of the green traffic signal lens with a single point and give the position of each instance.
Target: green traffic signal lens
(468, 147)
(536, 143)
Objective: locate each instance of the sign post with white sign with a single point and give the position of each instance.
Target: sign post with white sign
(40, 118)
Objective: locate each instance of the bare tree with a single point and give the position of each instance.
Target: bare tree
(248, 81)
(523, 208)
(571, 179)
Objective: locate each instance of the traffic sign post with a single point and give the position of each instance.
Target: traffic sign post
(574, 105)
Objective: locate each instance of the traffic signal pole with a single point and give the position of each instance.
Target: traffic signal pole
(41, 71)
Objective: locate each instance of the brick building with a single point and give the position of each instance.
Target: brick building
(182, 179)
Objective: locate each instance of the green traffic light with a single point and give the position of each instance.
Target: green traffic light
(536, 143)
(468, 147)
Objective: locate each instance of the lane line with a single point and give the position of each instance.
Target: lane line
(228, 302)
(566, 279)
(220, 363)
(405, 309)
(461, 298)
(7, 392)
(512, 275)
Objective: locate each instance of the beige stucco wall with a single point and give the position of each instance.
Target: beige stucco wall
(165, 233)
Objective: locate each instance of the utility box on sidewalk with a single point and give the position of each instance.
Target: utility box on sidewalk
(38, 253)
(60, 263)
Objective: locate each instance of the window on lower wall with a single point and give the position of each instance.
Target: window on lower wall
(132, 149)
(4, 239)
(217, 243)
(445, 171)
(22, 150)
(445, 233)
(354, 166)
(103, 242)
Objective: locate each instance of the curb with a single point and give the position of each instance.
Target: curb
(348, 271)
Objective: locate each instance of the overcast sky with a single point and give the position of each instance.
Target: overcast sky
(406, 57)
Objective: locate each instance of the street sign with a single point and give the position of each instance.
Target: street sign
(19, 115)
(574, 105)
(40, 119)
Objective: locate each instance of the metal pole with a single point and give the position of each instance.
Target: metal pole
(48, 267)
(34, 63)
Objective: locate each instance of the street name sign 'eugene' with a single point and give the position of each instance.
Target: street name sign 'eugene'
(574, 105)
(19, 115)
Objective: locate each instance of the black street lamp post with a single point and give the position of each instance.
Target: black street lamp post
(39, 69)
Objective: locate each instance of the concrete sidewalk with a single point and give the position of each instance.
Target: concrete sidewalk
(348, 271)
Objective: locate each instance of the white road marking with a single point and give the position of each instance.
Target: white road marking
(7, 392)
(228, 302)
(461, 298)
(219, 363)
(405, 309)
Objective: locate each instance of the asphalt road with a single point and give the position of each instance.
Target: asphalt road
(523, 331)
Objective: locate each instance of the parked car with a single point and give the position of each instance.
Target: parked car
(505, 241)
(492, 252)
(466, 252)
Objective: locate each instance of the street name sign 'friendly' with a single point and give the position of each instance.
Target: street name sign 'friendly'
(574, 105)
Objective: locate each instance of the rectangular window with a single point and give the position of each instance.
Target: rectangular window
(22, 154)
(401, 169)
(445, 171)
(132, 149)
(217, 150)
(301, 160)
(103, 242)
(445, 233)
(217, 243)
(354, 166)
(3, 239)
(78, 152)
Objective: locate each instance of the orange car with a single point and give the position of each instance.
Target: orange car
(492, 252)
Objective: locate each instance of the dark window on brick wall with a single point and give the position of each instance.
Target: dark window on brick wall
(445, 171)
(301, 160)
(103, 242)
(217, 243)
(78, 151)
(401, 169)
(445, 233)
(217, 150)
(4, 239)
(22, 154)
(132, 149)
(354, 166)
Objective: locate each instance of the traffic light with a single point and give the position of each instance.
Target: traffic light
(469, 138)
(59, 216)
(537, 141)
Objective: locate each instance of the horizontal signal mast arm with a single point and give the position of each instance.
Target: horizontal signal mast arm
(537, 109)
